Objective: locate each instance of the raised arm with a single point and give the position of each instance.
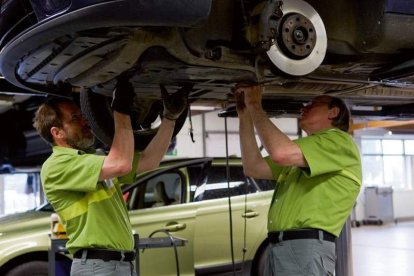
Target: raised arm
(118, 162)
(174, 105)
(253, 163)
(281, 149)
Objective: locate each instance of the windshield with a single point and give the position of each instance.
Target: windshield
(21, 191)
(47, 207)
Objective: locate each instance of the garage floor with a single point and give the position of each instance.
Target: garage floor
(383, 250)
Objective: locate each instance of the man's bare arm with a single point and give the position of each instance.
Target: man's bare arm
(281, 149)
(253, 163)
(118, 162)
(152, 155)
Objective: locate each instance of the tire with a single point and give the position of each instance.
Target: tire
(34, 268)
(97, 110)
(260, 263)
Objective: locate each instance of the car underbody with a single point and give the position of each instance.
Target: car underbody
(360, 51)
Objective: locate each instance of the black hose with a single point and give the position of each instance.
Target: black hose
(229, 197)
(177, 265)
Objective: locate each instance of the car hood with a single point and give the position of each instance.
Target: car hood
(21, 221)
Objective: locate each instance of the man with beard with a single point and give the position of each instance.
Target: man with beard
(318, 179)
(84, 188)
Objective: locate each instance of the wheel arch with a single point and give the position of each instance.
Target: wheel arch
(28, 257)
(255, 269)
(18, 260)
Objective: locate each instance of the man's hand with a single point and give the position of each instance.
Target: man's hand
(174, 104)
(247, 95)
(239, 97)
(123, 97)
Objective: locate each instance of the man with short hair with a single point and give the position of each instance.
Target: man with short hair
(84, 188)
(318, 180)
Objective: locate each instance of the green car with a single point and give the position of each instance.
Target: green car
(185, 198)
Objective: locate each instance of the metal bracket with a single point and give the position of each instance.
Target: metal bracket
(269, 23)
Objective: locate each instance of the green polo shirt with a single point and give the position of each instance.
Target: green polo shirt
(93, 212)
(322, 195)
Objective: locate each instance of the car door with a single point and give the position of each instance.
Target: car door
(152, 218)
(214, 246)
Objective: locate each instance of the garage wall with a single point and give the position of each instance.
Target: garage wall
(209, 136)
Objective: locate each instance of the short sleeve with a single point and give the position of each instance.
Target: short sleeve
(73, 172)
(130, 178)
(275, 168)
(327, 152)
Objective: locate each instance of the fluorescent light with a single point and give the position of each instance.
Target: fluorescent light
(202, 107)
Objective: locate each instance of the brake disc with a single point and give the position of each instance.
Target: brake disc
(301, 43)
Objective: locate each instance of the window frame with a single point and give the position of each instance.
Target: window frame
(407, 162)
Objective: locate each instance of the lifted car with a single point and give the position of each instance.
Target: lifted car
(361, 51)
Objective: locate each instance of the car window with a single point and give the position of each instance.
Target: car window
(197, 174)
(20, 190)
(161, 190)
(265, 184)
(217, 185)
(206, 182)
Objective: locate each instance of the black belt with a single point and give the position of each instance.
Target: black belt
(106, 255)
(276, 237)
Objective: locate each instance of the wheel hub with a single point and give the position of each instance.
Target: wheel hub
(301, 43)
(298, 37)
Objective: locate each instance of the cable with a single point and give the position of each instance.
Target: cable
(245, 223)
(229, 196)
(177, 265)
(190, 128)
